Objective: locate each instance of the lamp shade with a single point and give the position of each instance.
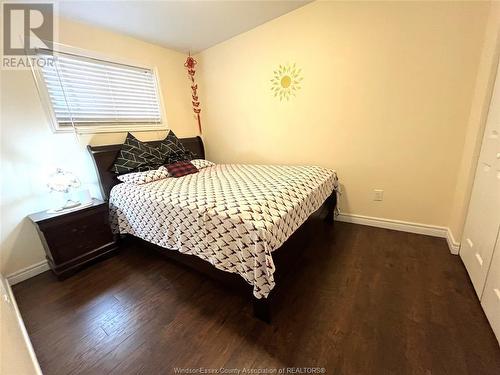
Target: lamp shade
(62, 181)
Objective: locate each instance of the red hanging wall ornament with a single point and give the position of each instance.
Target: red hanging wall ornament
(190, 65)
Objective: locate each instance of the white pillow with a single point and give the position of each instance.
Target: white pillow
(139, 178)
(202, 163)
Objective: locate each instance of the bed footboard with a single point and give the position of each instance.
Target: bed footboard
(331, 204)
(262, 309)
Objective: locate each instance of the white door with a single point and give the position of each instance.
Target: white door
(483, 219)
(491, 295)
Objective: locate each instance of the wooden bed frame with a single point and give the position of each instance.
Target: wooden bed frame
(284, 257)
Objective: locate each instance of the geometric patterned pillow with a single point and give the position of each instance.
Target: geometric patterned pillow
(174, 157)
(201, 163)
(136, 156)
(139, 178)
(172, 149)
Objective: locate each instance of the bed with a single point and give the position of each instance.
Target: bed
(228, 220)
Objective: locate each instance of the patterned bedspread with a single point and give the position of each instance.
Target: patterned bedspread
(231, 215)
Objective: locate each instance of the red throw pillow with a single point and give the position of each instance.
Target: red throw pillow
(181, 168)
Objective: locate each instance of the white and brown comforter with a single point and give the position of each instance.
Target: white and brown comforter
(231, 215)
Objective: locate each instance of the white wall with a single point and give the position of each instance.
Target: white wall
(29, 149)
(16, 353)
(483, 89)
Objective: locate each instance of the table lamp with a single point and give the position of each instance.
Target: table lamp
(64, 182)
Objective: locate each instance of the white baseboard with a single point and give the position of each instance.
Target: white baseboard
(452, 243)
(403, 226)
(27, 272)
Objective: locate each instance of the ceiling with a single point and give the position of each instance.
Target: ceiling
(180, 25)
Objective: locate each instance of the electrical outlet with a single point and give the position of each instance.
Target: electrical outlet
(378, 195)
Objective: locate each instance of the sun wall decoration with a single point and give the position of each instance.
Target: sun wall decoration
(286, 81)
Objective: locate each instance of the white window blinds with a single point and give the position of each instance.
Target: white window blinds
(85, 91)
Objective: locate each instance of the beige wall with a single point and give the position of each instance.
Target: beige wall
(29, 149)
(393, 98)
(386, 97)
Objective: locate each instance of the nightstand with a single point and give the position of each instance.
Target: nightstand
(76, 238)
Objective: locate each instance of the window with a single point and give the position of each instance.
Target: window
(94, 95)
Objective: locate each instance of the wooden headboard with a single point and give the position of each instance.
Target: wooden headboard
(104, 157)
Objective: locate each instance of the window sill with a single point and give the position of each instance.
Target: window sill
(111, 129)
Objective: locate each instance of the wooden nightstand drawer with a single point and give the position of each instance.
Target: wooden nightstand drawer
(77, 242)
(75, 238)
(79, 230)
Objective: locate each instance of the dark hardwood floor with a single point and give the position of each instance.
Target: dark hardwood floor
(363, 301)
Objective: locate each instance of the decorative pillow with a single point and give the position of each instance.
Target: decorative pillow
(177, 156)
(181, 168)
(172, 149)
(137, 156)
(139, 178)
(201, 163)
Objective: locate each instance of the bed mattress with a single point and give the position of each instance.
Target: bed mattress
(231, 215)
